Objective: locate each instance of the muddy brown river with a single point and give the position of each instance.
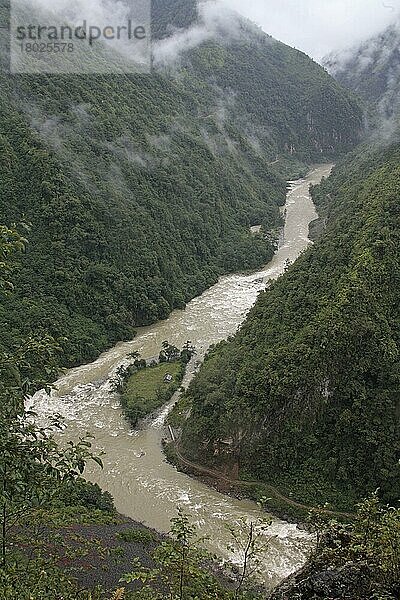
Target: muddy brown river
(144, 486)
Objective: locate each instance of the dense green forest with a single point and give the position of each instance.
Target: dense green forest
(309, 388)
(139, 190)
(167, 15)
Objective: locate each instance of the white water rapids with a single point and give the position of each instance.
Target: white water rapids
(144, 486)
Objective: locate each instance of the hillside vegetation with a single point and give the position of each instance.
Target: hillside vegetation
(308, 391)
(139, 190)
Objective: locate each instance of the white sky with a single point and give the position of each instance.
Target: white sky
(319, 26)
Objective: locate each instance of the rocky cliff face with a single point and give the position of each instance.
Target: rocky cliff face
(315, 582)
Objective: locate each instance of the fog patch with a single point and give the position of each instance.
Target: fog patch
(375, 65)
(215, 22)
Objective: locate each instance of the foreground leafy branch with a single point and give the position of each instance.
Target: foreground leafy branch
(33, 465)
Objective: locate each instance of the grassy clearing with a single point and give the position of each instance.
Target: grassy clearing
(146, 390)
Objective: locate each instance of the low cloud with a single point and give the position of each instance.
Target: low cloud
(318, 27)
(94, 17)
(315, 26)
(374, 67)
(216, 21)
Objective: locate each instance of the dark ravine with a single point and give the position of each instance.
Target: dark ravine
(316, 228)
(314, 581)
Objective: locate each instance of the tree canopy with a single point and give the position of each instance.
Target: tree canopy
(309, 387)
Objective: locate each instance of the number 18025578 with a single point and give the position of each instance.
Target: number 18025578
(51, 47)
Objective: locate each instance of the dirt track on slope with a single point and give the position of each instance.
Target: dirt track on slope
(237, 483)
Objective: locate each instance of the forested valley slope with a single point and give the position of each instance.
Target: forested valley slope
(372, 72)
(139, 191)
(308, 390)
